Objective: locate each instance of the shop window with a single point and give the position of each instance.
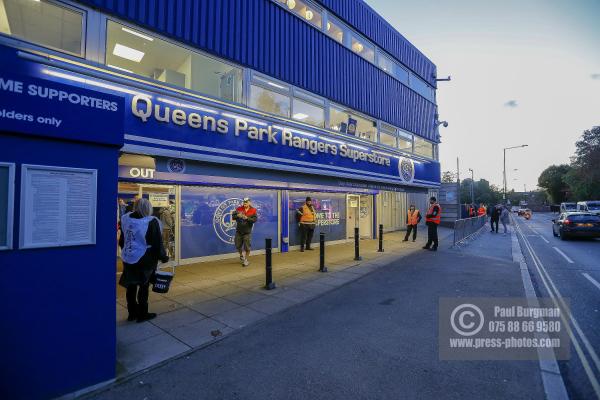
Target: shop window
(387, 139)
(423, 147)
(43, 23)
(330, 211)
(304, 11)
(365, 128)
(269, 101)
(362, 48)
(336, 30)
(405, 141)
(135, 52)
(309, 113)
(207, 227)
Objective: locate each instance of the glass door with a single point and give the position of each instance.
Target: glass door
(164, 207)
(365, 219)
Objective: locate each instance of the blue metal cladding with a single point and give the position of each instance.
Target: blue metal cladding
(364, 19)
(263, 36)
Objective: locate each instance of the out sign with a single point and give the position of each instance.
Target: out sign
(147, 173)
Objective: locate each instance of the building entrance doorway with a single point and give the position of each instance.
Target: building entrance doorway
(164, 200)
(360, 215)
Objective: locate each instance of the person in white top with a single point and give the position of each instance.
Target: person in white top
(141, 249)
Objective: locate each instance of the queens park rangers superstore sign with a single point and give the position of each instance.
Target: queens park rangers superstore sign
(225, 134)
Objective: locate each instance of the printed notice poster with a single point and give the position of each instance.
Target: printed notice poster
(159, 199)
(58, 206)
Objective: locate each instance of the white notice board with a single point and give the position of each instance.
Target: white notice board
(58, 206)
(159, 199)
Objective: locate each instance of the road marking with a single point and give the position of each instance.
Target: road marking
(589, 278)
(557, 298)
(544, 239)
(566, 257)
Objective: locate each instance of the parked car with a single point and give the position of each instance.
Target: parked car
(567, 207)
(580, 224)
(522, 211)
(589, 206)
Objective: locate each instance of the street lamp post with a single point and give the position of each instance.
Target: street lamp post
(472, 192)
(504, 169)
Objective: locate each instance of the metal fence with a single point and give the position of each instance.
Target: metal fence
(465, 228)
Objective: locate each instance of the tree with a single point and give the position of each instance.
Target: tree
(448, 177)
(584, 176)
(483, 192)
(554, 179)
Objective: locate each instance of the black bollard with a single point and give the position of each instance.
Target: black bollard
(322, 267)
(357, 256)
(380, 238)
(269, 284)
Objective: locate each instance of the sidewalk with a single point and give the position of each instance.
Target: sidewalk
(208, 301)
(376, 337)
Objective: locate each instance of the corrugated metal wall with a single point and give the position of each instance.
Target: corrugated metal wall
(263, 36)
(364, 19)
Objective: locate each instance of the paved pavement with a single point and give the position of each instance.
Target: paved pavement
(208, 301)
(569, 269)
(371, 338)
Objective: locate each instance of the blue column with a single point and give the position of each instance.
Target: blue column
(285, 217)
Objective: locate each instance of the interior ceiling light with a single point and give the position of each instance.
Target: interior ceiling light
(309, 15)
(329, 26)
(300, 116)
(357, 47)
(128, 53)
(291, 4)
(119, 68)
(138, 34)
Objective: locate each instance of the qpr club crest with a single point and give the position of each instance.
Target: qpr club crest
(406, 169)
(176, 165)
(223, 222)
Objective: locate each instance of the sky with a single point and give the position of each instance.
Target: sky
(523, 72)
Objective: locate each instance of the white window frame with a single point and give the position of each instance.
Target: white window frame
(11, 205)
(70, 6)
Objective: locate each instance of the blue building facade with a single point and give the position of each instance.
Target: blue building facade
(193, 105)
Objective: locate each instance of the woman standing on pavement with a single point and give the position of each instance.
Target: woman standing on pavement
(505, 218)
(142, 248)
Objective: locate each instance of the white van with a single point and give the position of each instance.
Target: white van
(589, 206)
(566, 207)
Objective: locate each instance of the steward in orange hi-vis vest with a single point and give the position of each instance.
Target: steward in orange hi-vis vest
(433, 219)
(413, 217)
(308, 221)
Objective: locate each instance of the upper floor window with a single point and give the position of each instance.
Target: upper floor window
(336, 30)
(352, 124)
(387, 135)
(363, 48)
(421, 87)
(43, 23)
(132, 51)
(269, 101)
(305, 11)
(423, 147)
(405, 141)
(308, 109)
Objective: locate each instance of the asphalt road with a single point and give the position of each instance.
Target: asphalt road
(569, 269)
(374, 338)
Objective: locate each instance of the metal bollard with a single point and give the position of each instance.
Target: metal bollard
(269, 284)
(322, 267)
(380, 250)
(357, 256)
